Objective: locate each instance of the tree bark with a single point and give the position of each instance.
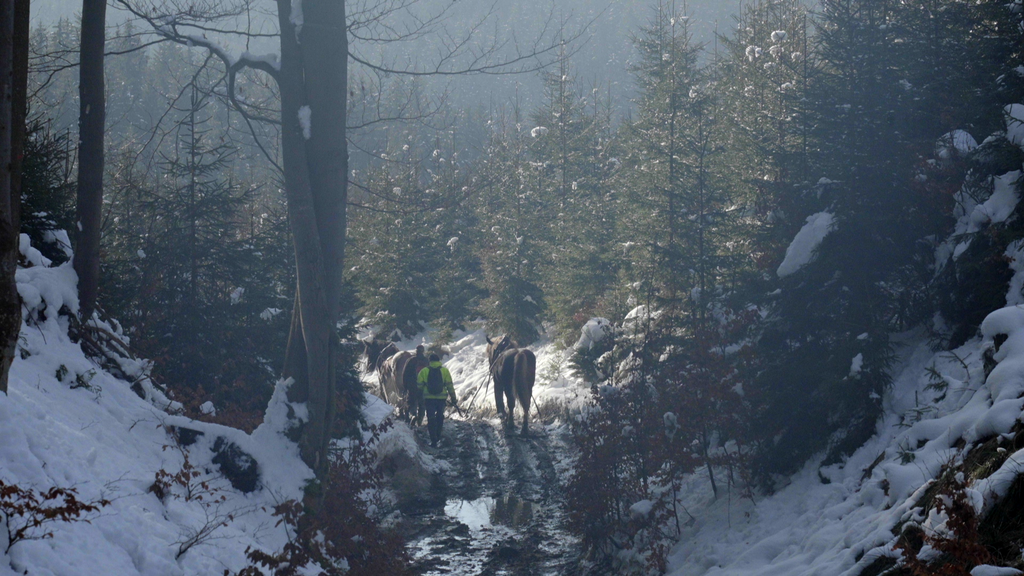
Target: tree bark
(314, 169)
(91, 120)
(10, 311)
(14, 18)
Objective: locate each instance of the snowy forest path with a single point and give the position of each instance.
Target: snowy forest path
(499, 509)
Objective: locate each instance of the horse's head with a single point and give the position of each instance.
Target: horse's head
(371, 349)
(496, 347)
(377, 351)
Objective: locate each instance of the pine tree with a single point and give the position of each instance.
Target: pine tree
(674, 376)
(677, 196)
(394, 251)
(973, 264)
(517, 223)
(765, 68)
(199, 283)
(826, 343)
(572, 162)
(48, 193)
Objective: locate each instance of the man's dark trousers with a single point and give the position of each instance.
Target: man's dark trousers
(435, 418)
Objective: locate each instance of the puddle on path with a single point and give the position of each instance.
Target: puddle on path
(505, 510)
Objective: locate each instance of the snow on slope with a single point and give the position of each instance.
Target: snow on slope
(839, 519)
(811, 527)
(108, 443)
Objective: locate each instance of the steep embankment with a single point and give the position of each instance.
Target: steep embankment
(67, 423)
(939, 480)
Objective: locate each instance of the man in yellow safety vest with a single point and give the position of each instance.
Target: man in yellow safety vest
(436, 384)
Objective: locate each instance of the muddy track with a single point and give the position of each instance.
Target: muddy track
(502, 510)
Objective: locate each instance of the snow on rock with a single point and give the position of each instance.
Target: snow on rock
(594, 331)
(987, 570)
(959, 142)
(1006, 381)
(801, 251)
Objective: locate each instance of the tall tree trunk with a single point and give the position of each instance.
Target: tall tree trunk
(313, 85)
(91, 121)
(14, 18)
(10, 310)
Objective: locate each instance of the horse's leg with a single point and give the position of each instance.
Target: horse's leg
(420, 408)
(498, 400)
(524, 399)
(524, 377)
(510, 394)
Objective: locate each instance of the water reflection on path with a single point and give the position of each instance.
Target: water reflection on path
(505, 510)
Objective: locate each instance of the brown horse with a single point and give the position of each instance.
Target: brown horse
(396, 372)
(513, 370)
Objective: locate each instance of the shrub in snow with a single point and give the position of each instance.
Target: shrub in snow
(29, 514)
(953, 545)
(343, 535)
(972, 269)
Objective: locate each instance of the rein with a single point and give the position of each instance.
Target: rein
(495, 355)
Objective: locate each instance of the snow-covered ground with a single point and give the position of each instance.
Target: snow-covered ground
(844, 523)
(839, 519)
(108, 443)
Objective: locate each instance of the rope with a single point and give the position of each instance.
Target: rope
(490, 378)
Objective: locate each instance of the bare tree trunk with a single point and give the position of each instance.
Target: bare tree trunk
(10, 310)
(312, 82)
(91, 120)
(19, 104)
(14, 18)
(325, 59)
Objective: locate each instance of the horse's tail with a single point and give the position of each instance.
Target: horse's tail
(526, 368)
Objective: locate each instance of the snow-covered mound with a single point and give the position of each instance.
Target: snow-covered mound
(67, 423)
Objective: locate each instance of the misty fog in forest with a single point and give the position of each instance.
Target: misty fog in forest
(570, 287)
